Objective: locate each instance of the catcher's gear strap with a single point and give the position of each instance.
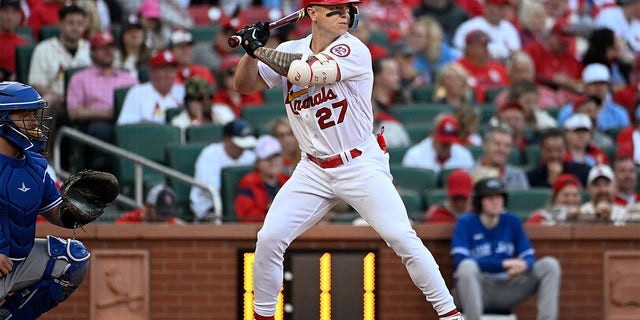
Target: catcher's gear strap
(318, 69)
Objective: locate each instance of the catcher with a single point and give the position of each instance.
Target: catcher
(37, 274)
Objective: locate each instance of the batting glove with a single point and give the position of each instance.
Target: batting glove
(254, 37)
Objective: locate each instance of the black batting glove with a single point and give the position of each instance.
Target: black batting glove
(254, 37)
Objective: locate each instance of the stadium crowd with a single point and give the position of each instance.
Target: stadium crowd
(542, 94)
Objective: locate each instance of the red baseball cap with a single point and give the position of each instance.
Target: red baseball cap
(163, 58)
(476, 37)
(459, 184)
(565, 179)
(447, 130)
(510, 105)
(101, 39)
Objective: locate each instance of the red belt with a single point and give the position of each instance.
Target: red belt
(333, 161)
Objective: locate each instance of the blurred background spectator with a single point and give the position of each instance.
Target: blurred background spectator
(629, 138)
(579, 147)
(210, 53)
(431, 47)
(626, 181)
(149, 101)
(388, 16)
(43, 13)
(604, 49)
(225, 96)
(441, 149)
(410, 79)
(132, 53)
(257, 189)
(452, 87)
(291, 154)
(181, 46)
(526, 93)
(532, 18)
(386, 86)
(157, 32)
(590, 106)
(512, 114)
(469, 118)
(10, 18)
(624, 20)
(160, 205)
(198, 109)
(458, 202)
(447, 12)
(601, 186)
(563, 205)
(171, 12)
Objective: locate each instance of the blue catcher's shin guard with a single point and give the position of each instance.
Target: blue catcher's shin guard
(47, 293)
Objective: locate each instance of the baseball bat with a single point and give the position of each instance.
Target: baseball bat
(234, 40)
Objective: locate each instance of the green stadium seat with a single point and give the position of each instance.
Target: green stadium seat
(532, 155)
(417, 132)
(172, 113)
(524, 202)
(487, 112)
(414, 203)
(476, 151)
(396, 154)
(208, 133)
(260, 117)
(435, 196)
(492, 93)
(380, 38)
(422, 94)
(143, 74)
(48, 31)
(416, 179)
(147, 140)
(26, 32)
(230, 177)
(118, 100)
(273, 96)
(182, 157)
(553, 112)
(418, 113)
(610, 151)
(443, 175)
(23, 62)
(203, 33)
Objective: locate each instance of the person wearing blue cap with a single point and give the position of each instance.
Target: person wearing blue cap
(238, 137)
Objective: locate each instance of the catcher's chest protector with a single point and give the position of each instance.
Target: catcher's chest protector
(22, 186)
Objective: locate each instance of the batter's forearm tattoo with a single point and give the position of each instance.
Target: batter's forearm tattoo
(278, 61)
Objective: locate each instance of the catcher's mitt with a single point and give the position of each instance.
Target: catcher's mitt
(85, 195)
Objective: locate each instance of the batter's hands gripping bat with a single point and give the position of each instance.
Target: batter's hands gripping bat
(234, 41)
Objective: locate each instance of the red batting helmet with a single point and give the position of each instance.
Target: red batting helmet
(307, 3)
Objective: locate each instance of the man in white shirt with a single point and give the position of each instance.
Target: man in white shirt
(238, 136)
(624, 21)
(148, 102)
(440, 150)
(601, 186)
(504, 36)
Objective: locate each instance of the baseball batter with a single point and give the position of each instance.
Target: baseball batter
(327, 81)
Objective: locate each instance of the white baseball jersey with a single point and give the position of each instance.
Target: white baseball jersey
(626, 31)
(319, 114)
(144, 103)
(49, 60)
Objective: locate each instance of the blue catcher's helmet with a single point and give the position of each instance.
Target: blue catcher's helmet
(25, 134)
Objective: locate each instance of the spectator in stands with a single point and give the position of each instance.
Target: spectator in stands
(469, 117)
(52, 56)
(157, 32)
(43, 13)
(494, 262)
(564, 204)
(590, 105)
(198, 108)
(131, 53)
(94, 22)
(603, 48)
(458, 200)
(532, 17)
(521, 68)
(225, 96)
(363, 32)
(291, 154)
(160, 205)
(257, 189)
(388, 16)
(624, 20)
(432, 49)
(577, 131)
(630, 137)
(172, 12)
(386, 85)
(483, 72)
(237, 137)
(496, 148)
(10, 16)
(210, 54)
(410, 79)
(90, 92)
(525, 93)
(555, 64)
(596, 79)
(601, 186)
(440, 150)
(447, 12)
(181, 45)
(503, 37)
(452, 86)
(627, 194)
(513, 115)
(147, 102)
(552, 164)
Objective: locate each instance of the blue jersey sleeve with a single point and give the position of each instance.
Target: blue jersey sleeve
(524, 249)
(463, 246)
